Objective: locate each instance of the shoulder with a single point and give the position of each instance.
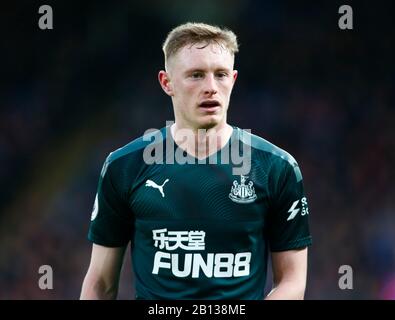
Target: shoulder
(131, 154)
(136, 146)
(269, 152)
(262, 145)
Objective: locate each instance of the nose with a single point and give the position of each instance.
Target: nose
(210, 86)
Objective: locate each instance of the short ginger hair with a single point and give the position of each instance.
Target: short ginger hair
(192, 33)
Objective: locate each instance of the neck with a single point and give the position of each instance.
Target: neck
(199, 142)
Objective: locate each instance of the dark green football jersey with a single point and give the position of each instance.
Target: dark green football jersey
(198, 231)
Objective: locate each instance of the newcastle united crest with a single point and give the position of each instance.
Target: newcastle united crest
(242, 193)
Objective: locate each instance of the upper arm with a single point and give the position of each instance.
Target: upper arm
(290, 266)
(102, 278)
(106, 261)
(111, 229)
(288, 218)
(288, 231)
(112, 221)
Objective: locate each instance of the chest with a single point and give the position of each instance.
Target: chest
(175, 192)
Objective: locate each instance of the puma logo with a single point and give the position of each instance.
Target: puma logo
(150, 183)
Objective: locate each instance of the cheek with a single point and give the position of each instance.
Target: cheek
(184, 93)
(189, 91)
(190, 87)
(227, 88)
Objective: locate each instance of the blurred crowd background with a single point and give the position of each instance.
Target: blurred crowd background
(71, 95)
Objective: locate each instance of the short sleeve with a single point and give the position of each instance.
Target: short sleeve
(111, 221)
(288, 221)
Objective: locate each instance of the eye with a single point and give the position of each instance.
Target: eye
(197, 75)
(221, 74)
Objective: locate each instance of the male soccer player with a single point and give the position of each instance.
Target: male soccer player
(197, 229)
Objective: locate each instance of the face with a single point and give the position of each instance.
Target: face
(200, 81)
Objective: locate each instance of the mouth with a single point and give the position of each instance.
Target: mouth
(210, 105)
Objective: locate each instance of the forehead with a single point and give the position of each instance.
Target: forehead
(202, 56)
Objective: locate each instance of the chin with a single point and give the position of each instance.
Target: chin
(209, 123)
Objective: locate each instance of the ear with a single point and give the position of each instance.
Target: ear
(165, 82)
(235, 73)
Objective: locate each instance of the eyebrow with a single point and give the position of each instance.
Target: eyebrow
(202, 70)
